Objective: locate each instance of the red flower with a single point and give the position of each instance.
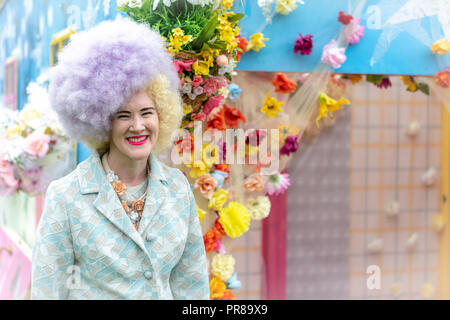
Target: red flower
(283, 84)
(222, 167)
(233, 116)
(217, 122)
(344, 18)
(210, 240)
(180, 66)
(227, 295)
(304, 44)
(218, 228)
(242, 43)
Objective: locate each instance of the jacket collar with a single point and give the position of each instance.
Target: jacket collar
(92, 179)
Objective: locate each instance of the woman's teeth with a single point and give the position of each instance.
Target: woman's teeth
(137, 139)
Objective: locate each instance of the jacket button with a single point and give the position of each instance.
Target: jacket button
(148, 275)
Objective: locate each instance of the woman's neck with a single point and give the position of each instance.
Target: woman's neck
(131, 172)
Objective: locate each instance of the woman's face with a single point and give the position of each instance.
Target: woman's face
(135, 127)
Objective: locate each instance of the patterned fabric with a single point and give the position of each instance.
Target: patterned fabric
(87, 248)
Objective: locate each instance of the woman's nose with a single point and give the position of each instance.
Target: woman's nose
(137, 124)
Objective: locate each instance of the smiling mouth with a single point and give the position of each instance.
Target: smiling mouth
(137, 140)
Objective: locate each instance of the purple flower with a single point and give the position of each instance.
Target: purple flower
(385, 83)
(290, 145)
(303, 44)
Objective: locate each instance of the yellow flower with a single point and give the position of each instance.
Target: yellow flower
(178, 39)
(178, 32)
(28, 114)
(355, 78)
(440, 47)
(216, 288)
(286, 6)
(210, 154)
(201, 67)
(218, 199)
(201, 213)
(13, 131)
(228, 4)
(327, 105)
(198, 168)
(187, 108)
(222, 266)
(259, 208)
(235, 219)
(257, 41)
(271, 106)
(410, 83)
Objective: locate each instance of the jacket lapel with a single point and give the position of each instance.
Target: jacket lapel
(92, 179)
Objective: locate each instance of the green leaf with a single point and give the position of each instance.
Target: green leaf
(206, 34)
(236, 17)
(146, 5)
(221, 45)
(424, 88)
(373, 78)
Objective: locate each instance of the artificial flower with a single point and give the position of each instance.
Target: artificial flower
(242, 45)
(218, 199)
(217, 121)
(256, 42)
(227, 4)
(343, 18)
(384, 83)
(254, 182)
(286, 130)
(187, 109)
(206, 185)
(234, 219)
(201, 3)
(222, 266)
(198, 168)
(277, 183)
(135, 3)
(283, 83)
(31, 181)
(333, 55)
(304, 44)
(181, 66)
(7, 176)
(37, 144)
(440, 47)
(259, 208)
(271, 106)
(14, 130)
(29, 114)
(211, 240)
(235, 91)
(233, 116)
(255, 137)
(327, 105)
(201, 116)
(218, 229)
(216, 288)
(177, 40)
(201, 213)
(286, 6)
(290, 145)
(442, 78)
(353, 32)
(410, 83)
(212, 103)
(198, 80)
(201, 67)
(227, 295)
(233, 282)
(355, 78)
(222, 167)
(210, 86)
(210, 154)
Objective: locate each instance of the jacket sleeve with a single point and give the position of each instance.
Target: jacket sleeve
(189, 278)
(53, 258)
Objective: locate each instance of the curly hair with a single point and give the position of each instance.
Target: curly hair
(98, 72)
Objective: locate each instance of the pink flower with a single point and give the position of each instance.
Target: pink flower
(198, 80)
(333, 55)
(37, 144)
(212, 103)
(303, 44)
(277, 183)
(353, 32)
(198, 116)
(223, 82)
(210, 86)
(31, 181)
(290, 145)
(8, 182)
(180, 66)
(384, 83)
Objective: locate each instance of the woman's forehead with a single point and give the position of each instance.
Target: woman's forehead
(139, 100)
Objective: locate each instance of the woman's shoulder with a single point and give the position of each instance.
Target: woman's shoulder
(63, 184)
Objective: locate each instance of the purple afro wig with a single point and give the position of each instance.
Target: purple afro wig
(98, 72)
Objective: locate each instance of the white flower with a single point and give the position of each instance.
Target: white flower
(135, 3)
(122, 3)
(187, 87)
(200, 2)
(258, 208)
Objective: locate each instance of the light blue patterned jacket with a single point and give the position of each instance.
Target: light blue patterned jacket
(87, 248)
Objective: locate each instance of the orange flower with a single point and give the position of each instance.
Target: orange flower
(138, 205)
(210, 240)
(242, 43)
(217, 288)
(217, 122)
(255, 182)
(218, 228)
(206, 184)
(443, 78)
(283, 84)
(233, 116)
(119, 187)
(227, 295)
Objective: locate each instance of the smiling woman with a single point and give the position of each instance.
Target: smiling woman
(122, 225)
